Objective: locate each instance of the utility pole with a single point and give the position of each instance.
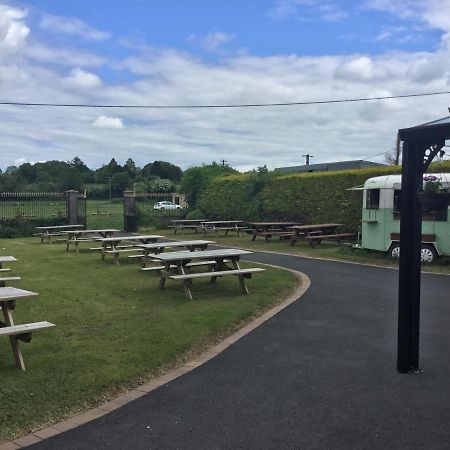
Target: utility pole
(109, 180)
(307, 156)
(223, 162)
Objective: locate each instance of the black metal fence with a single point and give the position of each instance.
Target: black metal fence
(32, 205)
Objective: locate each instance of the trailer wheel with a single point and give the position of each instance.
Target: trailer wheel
(428, 254)
(394, 251)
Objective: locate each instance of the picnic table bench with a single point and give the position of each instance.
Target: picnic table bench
(175, 264)
(316, 233)
(77, 236)
(3, 280)
(111, 245)
(159, 247)
(54, 230)
(181, 224)
(222, 225)
(8, 298)
(270, 229)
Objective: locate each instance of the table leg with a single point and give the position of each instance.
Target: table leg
(244, 288)
(186, 283)
(13, 339)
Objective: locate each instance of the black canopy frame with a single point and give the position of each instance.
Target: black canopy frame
(421, 144)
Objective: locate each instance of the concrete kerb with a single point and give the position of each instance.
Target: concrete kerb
(73, 422)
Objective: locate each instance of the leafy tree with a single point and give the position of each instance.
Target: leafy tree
(79, 165)
(196, 179)
(28, 172)
(146, 171)
(11, 169)
(164, 169)
(121, 182)
(130, 168)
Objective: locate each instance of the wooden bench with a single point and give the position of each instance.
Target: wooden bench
(226, 229)
(241, 273)
(25, 328)
(3, 280)
(268, 234)
(8, 298)
(173, 266)
(317, 239)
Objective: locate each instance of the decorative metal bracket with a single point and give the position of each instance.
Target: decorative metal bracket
(430, 153)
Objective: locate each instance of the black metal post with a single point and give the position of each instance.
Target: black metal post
(410, 241)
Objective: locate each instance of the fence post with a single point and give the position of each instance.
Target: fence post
(130, 222)
(72, 207)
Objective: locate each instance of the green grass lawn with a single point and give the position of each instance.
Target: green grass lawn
(325, 250)
(115, 328)
(104, 214)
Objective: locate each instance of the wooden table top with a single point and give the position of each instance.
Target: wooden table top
(106, 230)
(206, 254)
(182, 221)
(266, 224)
(7, 259)
(130, 238)
(211, 222)
(12, 293)
(175, 244)
(56, 227)
(316, 226)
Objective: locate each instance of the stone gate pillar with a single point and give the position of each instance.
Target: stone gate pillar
(72, 207)
(130, 219)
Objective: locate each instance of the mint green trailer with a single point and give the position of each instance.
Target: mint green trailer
(380, 227)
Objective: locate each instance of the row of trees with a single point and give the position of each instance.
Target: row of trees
(111, 179)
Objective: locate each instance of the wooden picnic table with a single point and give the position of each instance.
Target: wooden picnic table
(111, 245)
(315, 233)
(159, 247)
(3, 280)
(54, 230)
(8, 298)
(222, 225)
(176, 263)
(77, 236)
(269, 229)
(181, 224)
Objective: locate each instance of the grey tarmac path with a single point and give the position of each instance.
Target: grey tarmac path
(319, 375)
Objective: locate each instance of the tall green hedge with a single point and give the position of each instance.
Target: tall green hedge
(319, 197)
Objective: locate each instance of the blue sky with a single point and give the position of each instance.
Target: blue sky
(199, 51)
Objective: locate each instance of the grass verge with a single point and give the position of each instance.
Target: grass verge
(115, 329)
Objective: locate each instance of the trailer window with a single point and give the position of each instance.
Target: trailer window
(397, 193)
(373, 199)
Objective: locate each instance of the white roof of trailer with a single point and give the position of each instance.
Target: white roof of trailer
(395, 181)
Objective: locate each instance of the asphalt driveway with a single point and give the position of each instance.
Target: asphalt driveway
(319, 375)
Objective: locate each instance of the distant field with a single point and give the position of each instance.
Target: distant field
(104, 214)
(109, 214)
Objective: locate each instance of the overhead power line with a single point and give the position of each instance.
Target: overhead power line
(242, 105)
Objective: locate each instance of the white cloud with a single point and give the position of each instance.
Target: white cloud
(325, 10)
(434, 13)
(108, 122)
(214, 40)
(13, 31)
(246, 138)
(72, 27)
(82, 79)
(61, 56)
(359, 68)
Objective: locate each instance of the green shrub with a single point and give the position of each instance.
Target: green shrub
(18, 227)
(320, 197)
(195, 214)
